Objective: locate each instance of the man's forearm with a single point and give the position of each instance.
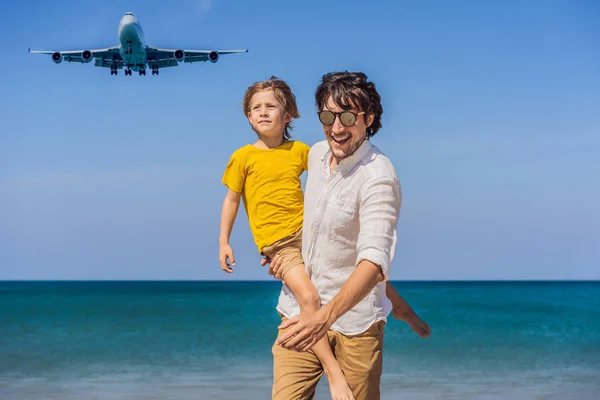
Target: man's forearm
(364, 278)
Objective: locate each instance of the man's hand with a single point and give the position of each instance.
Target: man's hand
(304, 332)
(225, 254)
(274, 266)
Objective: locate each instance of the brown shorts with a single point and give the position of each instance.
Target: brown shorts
(296, 374)
(289, 249)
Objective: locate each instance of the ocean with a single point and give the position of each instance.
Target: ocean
(212, 340)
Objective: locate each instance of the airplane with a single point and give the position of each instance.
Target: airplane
(133, 55)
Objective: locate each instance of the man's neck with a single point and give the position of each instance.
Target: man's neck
(333, 163)
(336, 161)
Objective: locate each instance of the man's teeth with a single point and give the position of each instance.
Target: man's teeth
(340, 138)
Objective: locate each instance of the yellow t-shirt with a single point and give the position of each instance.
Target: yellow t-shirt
(269, 181)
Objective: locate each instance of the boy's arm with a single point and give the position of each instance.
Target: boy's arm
(229, 211)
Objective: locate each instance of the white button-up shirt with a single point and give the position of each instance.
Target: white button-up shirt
(350, 215)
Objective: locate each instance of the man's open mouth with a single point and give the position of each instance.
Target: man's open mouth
(340, 139)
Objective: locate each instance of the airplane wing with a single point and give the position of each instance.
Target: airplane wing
(172, 57)
(104, 57)
(158, 57)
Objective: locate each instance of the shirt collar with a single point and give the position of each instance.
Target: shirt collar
(349, 162)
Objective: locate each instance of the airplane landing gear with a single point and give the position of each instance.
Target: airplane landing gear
(142, 72)
(154, 70)
(128, 71)
(113, 70)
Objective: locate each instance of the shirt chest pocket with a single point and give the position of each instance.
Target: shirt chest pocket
(342, 216)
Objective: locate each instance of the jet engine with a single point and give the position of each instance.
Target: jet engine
(179, 55)
(86, 56)
(213, 56)
(57, 57)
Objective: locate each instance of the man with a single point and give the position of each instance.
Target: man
(352, 205)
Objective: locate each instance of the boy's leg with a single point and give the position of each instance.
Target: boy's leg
(402, 311)
(295, 374)
(299, 283)
(361, 359)
(296, 278)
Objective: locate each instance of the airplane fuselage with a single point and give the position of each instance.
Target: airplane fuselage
(131, 37)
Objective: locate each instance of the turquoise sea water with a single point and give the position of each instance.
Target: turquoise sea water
(212, 340)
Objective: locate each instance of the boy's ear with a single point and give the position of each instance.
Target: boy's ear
(288, 118)
(369, 120)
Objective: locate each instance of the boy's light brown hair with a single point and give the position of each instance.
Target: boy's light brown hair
(283, 93)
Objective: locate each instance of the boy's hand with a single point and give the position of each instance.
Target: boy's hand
(225, 254)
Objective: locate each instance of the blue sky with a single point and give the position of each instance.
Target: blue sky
(490, 116)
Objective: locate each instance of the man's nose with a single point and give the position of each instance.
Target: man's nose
(337, 126)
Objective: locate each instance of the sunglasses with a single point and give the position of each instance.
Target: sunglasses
(347, 118)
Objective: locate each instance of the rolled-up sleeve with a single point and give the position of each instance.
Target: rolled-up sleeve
(380, 202)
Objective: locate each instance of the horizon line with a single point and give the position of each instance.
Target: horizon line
(275, 281)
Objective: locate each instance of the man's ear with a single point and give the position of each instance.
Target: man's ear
(370, 120)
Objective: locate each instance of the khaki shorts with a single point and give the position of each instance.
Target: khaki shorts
(289, 249)
(296, 374)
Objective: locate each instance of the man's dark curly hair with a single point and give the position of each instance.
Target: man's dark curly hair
(349, 90)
